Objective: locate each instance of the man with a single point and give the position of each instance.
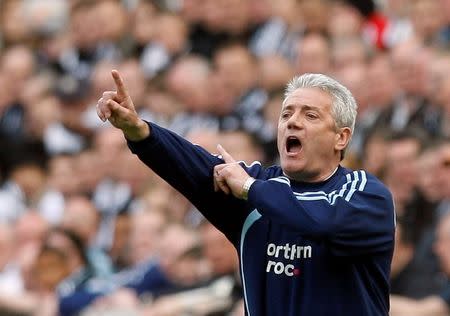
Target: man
(313, 237)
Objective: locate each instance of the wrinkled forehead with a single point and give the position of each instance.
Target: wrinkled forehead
(311, 97)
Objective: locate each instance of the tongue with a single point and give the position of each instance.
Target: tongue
(294, 147)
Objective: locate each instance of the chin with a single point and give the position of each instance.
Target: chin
(292, 169)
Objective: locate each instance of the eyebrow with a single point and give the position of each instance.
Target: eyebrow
(303, 106)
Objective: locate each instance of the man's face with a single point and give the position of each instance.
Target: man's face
(308, 141)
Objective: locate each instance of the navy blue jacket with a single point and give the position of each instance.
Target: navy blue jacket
(304, 248)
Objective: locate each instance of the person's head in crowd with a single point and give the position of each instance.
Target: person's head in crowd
(109, 144)
(442, 242)
(145, 234)
(410, 63)
(17, 63)
(382, 83)
(440, 87)
(260, 11)
(30, 176)
(272, 109)
(6, 98)
(242, 146)
(88, 170)
(219, 252)
(31, 227)
(354, 77)
(29, 231)
(62, 174)
(81, 216)
(163, 104)
(444, 176)
(193, 11)
(274, 72)
(313, 54)
(36, 87)
(49, 269)
(224, 99)
(289, 11)
(178, 207)
(121, 234)
(7, 241)
(46, 18)
(74, 95)
(446, 9)
(315, 15)
(348, 51)
(41, 115)
(171, 31)
(14, 30)
(401, 174)
(229, 16)
(101, 77)
(374, 152)
(156, 194)
(404, 246)
(180, 255)
(428, 18)
(70, 244)
(132, 172)
(397, 9)
(133, 75)
(237, 67)
(112, 29)
(187, 79)
(143, 22)
(205, 138)
(434, 168)
(84, 30)
(345, 20)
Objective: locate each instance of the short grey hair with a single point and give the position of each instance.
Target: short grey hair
(344, 107)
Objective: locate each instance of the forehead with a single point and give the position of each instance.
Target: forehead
(311, 97)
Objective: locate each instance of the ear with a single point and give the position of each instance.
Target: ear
(342, 138)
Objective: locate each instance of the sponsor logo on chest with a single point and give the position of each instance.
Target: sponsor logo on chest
(282, 257)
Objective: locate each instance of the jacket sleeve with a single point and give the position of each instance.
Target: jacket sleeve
(189, 169)
(357, 218)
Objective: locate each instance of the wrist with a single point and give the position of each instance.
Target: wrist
(246, 187)
(137, 132)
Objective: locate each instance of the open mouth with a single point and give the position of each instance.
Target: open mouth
(293, 145)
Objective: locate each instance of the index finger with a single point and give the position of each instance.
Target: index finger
(121, 89)
(225, 155)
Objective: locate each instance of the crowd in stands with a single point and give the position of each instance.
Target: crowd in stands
(87, 229)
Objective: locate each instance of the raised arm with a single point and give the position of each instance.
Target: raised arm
(185, 166)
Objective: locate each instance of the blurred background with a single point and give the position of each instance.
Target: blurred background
(86, 229)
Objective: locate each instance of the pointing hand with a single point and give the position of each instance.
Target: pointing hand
(117, 107)
(229, 177)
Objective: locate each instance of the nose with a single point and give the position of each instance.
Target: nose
(295, 121)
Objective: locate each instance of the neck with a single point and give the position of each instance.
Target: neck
(311, 177)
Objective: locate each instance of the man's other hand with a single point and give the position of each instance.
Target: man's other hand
(229, 177)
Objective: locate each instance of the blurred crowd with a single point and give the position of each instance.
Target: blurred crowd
(87, 229)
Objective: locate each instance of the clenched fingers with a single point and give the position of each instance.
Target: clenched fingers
(220, 183)
(103, 110)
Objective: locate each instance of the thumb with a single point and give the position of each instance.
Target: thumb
(225, 155)
(116, 110)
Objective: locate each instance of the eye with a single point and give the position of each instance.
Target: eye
(285, 115)
(311, 115)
